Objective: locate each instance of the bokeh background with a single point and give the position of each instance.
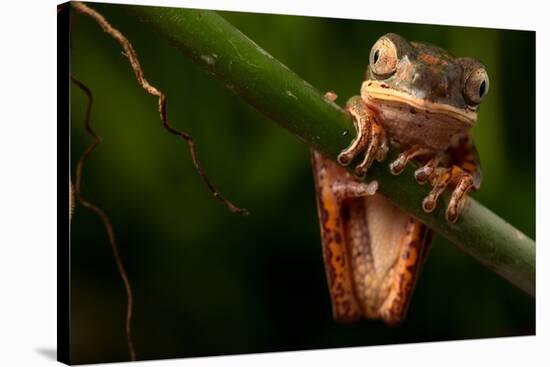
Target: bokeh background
(207, 282)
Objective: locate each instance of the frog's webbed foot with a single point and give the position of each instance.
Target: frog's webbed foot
(440, 179)
(371, 137)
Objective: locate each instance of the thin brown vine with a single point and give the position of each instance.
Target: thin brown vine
(103, 216)
(134, 62)
(150, 89)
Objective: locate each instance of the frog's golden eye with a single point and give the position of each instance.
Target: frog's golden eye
(383, 57)
(476, 86)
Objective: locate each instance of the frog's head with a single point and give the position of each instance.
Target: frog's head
(426, 79)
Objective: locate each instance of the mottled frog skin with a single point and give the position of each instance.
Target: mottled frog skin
(423, 101)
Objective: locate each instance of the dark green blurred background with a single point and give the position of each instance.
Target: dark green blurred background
(208, 282)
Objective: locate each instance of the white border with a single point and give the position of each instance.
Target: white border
(28, 181)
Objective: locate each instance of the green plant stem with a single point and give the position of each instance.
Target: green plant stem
(250, 72)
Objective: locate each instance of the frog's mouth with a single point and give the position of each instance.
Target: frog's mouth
(381, 92)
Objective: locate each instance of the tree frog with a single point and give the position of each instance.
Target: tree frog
(424, 102)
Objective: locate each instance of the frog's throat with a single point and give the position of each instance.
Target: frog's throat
(381, 92)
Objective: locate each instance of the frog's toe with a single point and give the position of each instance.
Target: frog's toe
(423, 174)
(398, 165)
(362, 168)
(429, 203)
(451, 214)
(376, 144)
(331, 96)
(354, 189)
(345, 158)
(441, 180)
(458, 198)
(356, 147)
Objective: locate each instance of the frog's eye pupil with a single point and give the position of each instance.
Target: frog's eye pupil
(376, 56)
(482, 89)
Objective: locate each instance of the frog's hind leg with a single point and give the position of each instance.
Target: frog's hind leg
(334, 186)
(387, 248)
(412, 254)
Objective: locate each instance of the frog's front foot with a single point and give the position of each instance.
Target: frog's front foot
(371, 137)
(439, 178)
(463, 183)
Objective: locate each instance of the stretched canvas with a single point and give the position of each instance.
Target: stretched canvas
(210, 210)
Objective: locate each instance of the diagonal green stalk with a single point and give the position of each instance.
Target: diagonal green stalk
(250, 72)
